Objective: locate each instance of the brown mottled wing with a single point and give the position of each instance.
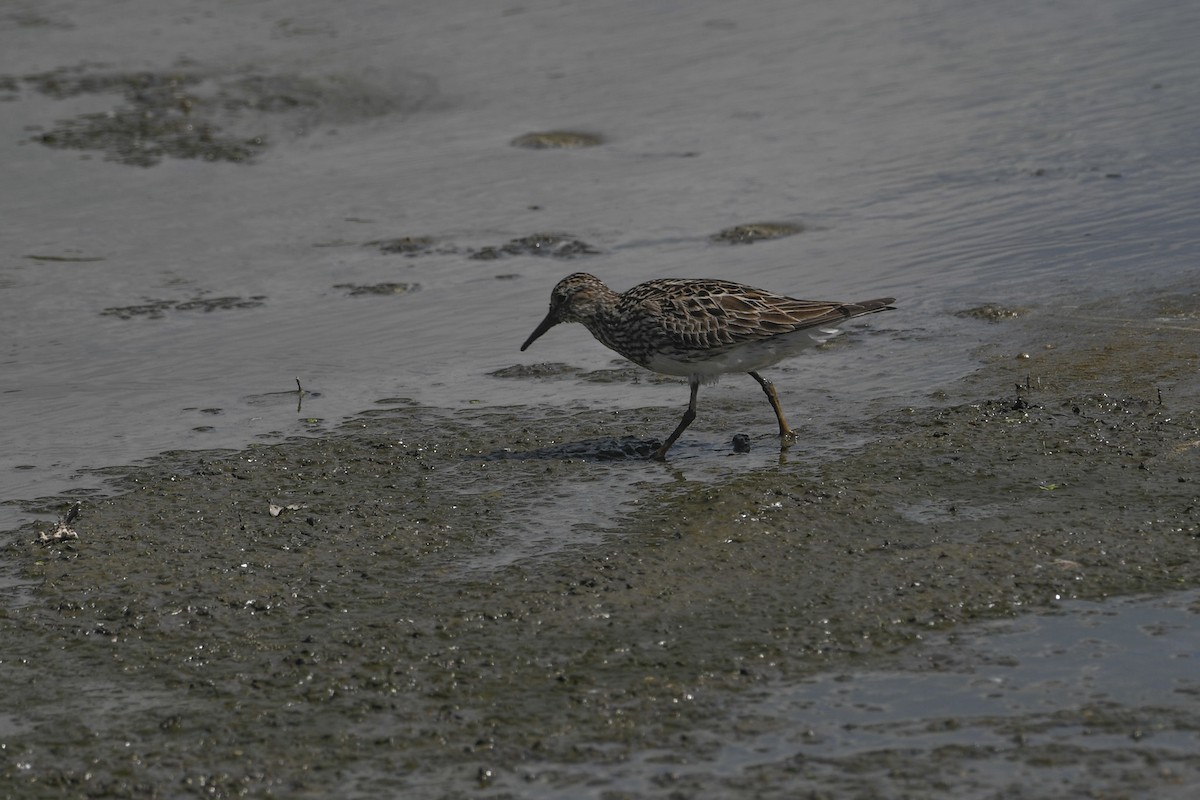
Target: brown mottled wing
(716, 315)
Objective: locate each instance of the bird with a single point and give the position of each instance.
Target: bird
(700, 329)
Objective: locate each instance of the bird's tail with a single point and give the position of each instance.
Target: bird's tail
(868, 306)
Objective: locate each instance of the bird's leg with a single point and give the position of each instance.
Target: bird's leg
(768, 388)
(661, 453)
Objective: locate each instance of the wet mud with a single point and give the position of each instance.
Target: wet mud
(553, 245)
(756, 232)
(157, 309)
(190, 112)
(557, 140)
(506, 602)
(544, 245)
(405, 245)
(375, 289)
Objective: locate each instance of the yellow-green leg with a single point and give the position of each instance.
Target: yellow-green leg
(769, 389)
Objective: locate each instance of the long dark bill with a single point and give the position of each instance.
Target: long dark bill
(548, 323)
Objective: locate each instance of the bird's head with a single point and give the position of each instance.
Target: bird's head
(575, 298)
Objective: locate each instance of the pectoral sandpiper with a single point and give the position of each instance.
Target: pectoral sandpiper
(699, 329)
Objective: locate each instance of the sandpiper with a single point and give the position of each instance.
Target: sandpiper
(699, 329)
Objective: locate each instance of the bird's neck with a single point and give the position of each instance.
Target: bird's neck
(611, 328)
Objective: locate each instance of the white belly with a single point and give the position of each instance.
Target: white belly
(749, 357)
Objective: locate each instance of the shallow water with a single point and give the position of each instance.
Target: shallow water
(972, 713)
(727, 619)
(947, 155)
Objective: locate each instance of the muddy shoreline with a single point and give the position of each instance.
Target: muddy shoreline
(423, 612)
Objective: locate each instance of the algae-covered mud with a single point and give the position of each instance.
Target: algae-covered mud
(508, 602)
(185, 113)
